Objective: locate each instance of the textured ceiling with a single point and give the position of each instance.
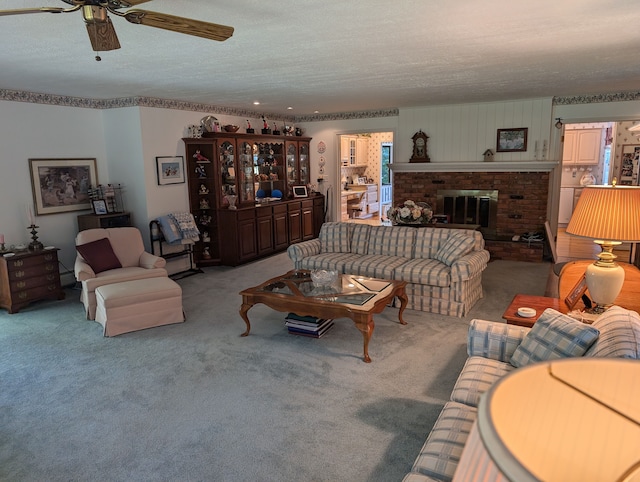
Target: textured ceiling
(335, 56)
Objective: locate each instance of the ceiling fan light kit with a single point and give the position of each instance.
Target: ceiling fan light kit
(102, 34)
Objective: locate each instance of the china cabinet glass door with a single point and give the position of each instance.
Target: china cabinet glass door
(304, 164)
(246, 178)
(228, 194)
(292, 164)
(268, 159)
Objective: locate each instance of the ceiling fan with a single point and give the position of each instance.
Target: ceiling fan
(102, 33)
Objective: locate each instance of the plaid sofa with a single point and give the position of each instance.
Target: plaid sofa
(443, 267)
(491, 347)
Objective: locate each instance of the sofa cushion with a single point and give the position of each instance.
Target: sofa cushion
(374, 266)
(455, 247)
(99, 255)
(335, 238)
(619, 334)
(326, 261)
(360, 238)
(553, 336)
(428, 241)
(425, 272)
(391, 241)
(441, 452)
(476, 377)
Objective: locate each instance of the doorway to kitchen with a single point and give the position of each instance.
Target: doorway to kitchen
(365, 192)
(594, 153)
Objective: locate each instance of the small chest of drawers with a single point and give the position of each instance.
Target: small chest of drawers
(27, 277)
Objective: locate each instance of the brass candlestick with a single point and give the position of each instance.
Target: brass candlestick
(35, 245)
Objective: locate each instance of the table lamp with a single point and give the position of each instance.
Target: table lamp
(570, 420)
(610, 215)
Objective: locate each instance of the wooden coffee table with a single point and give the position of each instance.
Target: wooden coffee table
(355, 297)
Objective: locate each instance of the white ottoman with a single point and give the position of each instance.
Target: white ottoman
(136, 305)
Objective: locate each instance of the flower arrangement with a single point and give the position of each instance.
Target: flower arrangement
(410, 213)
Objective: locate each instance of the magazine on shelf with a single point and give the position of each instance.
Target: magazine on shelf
(301, 325)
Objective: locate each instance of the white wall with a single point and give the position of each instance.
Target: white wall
(460, 133)
(44, 131)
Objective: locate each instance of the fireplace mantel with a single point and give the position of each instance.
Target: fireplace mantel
(522, 166)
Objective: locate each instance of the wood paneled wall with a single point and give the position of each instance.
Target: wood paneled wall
(463, 132)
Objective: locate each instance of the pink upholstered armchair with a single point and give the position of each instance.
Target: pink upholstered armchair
(112, 255)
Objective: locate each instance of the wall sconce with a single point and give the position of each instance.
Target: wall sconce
(559, 123)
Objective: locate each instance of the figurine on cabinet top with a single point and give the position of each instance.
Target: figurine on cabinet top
(204, 189)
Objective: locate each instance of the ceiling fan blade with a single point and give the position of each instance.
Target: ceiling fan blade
(187, 26)
(103, 36)
(21, 11)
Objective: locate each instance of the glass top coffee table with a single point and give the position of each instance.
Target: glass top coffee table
(351, 296)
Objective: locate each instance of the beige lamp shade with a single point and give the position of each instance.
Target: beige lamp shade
(607, 212)
(568, 420)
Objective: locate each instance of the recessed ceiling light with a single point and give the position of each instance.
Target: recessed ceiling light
(289, 108)
(256, 102)
(316, 111)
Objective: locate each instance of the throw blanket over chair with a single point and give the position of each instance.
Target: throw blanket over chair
(112, 255)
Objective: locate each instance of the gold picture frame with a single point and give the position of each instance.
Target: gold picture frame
(576, 292)
(62, 185)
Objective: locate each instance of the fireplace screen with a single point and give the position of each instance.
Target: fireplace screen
(469, 206)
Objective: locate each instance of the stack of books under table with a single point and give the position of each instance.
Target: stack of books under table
(307, 325)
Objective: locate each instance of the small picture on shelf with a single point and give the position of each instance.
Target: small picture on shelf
(300, 191)
(99, 206)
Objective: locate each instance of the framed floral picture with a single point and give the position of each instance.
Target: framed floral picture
(512, 140)
(62, 185)
(170, 170)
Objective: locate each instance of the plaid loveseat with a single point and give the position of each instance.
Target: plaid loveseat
(443, 267)
(495, 349)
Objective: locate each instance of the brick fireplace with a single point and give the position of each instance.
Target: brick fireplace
(521, 206)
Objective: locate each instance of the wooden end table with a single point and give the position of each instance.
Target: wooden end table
(538, 303)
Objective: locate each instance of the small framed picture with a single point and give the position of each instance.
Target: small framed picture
(300, 191)
(512, 140)
(99, 206)
(576, 293)
(170, 170)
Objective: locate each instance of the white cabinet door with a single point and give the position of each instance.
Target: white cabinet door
(582, 146)
(566, 205)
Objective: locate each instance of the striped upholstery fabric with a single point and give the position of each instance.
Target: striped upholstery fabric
(424, 271)
(553, 336)
(333, 261)
(619, 334)
(497, 341)
(335, 238)
(416, 477)
(360, 238)
(477, 376)
(374, 266)
(299, 251)
(392, 242)
(428, 241)
(469, 266)
(455, 247)
(441, 452)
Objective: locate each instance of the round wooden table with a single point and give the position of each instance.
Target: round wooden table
(628, 298)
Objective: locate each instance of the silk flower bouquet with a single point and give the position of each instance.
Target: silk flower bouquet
(410, 212)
